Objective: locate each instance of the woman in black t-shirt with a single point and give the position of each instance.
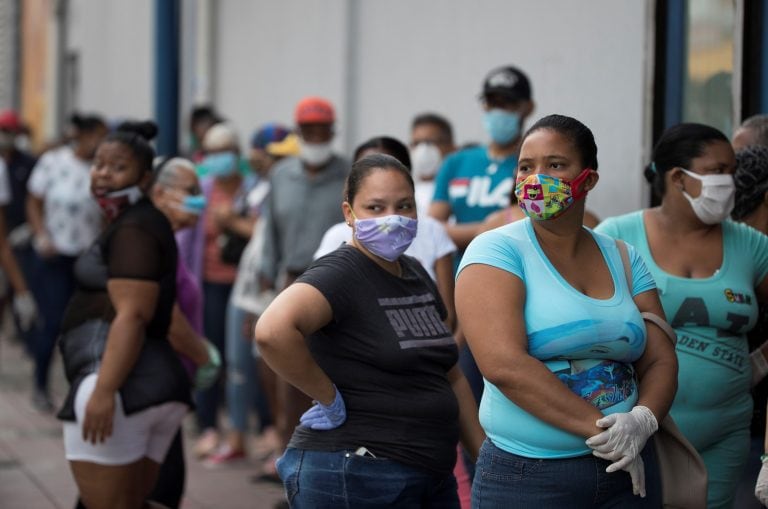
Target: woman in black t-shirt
(129, 391)
(362, 332)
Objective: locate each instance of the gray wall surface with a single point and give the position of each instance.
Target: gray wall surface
(381, 62)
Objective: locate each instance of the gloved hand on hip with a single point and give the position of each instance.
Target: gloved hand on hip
(207, 374)
(325, 417)
(624, 437)
(25, 309)
(761, 488)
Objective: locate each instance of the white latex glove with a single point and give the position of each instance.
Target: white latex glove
(625, 437)
(636, 469)
(20, 236)
(43, 245)
(761, 488)
(25, 309)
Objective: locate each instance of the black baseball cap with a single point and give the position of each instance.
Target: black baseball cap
(509, 82)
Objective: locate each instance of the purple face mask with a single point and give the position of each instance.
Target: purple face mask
(387, 237)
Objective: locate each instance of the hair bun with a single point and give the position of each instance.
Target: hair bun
(76, 119)
(650, 173)
(146, 129)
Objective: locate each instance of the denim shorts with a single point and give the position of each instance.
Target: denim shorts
(504, 480)
(345, 480)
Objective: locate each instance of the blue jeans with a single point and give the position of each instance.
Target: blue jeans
(476, 384)
(52, 285)
(243, 387)
(504, 480)
(344, 480)
(745, 492)
(215, 299)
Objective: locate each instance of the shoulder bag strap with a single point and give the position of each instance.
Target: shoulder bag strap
(650, 317)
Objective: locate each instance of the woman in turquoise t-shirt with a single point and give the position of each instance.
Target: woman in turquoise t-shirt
(711, 273)
(566, 357)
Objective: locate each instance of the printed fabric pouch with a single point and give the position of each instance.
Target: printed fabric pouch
(232, 247)
(683, 473)
(232, 243)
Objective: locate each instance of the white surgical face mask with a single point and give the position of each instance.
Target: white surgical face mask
(314, 154)
(715, 202)
(23, 143)
(425, 160)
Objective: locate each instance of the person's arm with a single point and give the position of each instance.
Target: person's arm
(134, 302)
(461, 234)
(271, 250)
(494, 220)
(489, 305)
(590, 219)
(41, 238)
(761, 487)
(185, 340)
(759, 357)
(24, 305)
(280, 331)
(657, 368)
(8, 261)
(445, 285)
(227, 219)
(472, 434)
(761, 291)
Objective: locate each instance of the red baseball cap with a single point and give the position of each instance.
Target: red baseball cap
(312, 110)
(9, 120)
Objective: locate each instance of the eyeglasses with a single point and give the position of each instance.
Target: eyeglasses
(194, 190)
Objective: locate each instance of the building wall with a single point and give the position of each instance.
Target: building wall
(383, 62)
(8, 54)
(113, 41)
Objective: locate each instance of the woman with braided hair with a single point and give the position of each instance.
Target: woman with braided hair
(751, 207)
(751, 179)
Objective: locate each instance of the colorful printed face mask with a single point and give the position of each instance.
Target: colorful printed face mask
(544, 197)
(115, 202)
(387, 237)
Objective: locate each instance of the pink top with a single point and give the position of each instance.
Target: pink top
(214, 270)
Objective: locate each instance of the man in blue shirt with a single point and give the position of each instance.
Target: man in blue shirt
(477, 181)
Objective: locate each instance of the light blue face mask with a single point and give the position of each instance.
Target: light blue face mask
(503, 126)
(221, 164)
(194, 204)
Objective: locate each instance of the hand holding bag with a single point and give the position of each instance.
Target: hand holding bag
(683, 473)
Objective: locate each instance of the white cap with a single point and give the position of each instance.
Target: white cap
(220, 137)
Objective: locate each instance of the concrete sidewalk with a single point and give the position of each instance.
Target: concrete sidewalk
(35, 475)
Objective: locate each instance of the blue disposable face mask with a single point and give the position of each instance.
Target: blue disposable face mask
(221, 164)
(503, 126)
(193, 204)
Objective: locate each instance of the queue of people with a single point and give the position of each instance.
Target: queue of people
(419, 326)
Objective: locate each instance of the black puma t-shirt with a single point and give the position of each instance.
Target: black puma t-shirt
(388, 352)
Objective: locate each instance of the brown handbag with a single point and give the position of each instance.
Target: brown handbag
(683, 473)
